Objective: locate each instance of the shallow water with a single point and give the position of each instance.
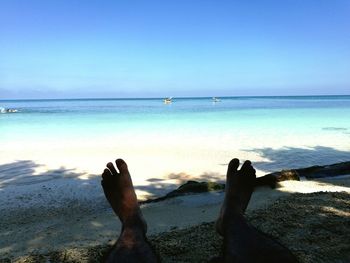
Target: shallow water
(165, 145)
(254, 115)
(282, 131)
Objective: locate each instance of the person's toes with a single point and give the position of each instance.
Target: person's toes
(122, 166)
(248, 172)
(112, 168)
(107, 183)
(253, 171)
(247, 165)
(232, 167)
(106, 174)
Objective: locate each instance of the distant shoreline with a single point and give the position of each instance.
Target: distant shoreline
(181, 98)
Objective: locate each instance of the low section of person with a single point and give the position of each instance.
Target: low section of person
(132, 244)
(241, 241)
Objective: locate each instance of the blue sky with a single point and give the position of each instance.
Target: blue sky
(83, 48)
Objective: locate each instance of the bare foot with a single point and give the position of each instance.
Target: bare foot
(242, 242)
(238, 191)
(119, 191)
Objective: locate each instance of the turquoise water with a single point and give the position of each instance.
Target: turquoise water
(91, 117)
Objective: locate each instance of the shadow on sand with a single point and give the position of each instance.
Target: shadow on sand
(293, 158)
(70, 208)
(25, 173)
(24, 231)
(313, 226)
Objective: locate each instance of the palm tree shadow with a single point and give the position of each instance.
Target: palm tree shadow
(293, 158)
(24, 172)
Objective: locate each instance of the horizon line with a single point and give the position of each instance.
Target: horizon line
(180, 97)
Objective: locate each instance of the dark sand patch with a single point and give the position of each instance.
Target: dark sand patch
(315, 227)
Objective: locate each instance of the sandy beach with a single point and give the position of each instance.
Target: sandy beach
(177, 89)
(160, 162)
(52, 204)
(52, 210)
(79, 228)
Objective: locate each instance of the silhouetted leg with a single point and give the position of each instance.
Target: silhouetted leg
(132, 244)
(242, 242)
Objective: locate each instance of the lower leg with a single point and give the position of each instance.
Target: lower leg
(132, 244)
(242, 242)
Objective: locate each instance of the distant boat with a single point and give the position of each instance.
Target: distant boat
(215, 99)
(4, 110)
(168, 100)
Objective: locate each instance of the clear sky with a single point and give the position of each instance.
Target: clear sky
(156, 48)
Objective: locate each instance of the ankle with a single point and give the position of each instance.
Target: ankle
(234, 207)
(131, 238)
(134, 224)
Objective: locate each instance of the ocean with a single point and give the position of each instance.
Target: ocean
(67, 143)
(94, 117)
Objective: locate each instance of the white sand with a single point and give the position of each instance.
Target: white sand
(50, 194)
(169, 159)
(79, 223)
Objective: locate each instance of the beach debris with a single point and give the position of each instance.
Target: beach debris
(190, 187)
(196, 187)
(323, 171)
(317, 171)
(271, 180)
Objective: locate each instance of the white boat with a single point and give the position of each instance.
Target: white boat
(168, 100)
(215, 99)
